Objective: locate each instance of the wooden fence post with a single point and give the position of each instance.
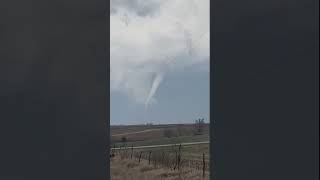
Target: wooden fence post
(179, 157)
(162, 161)
(131, 151)
(149, 157)
(175, 163)
(140, 156)
(204, 166)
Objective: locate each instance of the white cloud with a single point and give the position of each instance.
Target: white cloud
(151, 38)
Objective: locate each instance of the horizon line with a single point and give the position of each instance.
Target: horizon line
(153, 124)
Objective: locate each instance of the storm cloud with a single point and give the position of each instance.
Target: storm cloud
(138, 7)
(149, 39)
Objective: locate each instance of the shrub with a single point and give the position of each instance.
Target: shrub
(168, 133)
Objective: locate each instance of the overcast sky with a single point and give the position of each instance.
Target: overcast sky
(159, 61)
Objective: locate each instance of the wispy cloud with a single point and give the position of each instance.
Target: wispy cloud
(152, 38)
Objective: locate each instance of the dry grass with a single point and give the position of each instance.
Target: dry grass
(149, 135)
(127, 169)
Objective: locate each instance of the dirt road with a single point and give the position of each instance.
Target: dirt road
(136, 132)
(166, 145)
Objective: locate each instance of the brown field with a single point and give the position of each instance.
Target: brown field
(149, 132)
(174, 161)
(131, 169)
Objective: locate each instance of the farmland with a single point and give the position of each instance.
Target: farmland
(150, 152)
(135, 133)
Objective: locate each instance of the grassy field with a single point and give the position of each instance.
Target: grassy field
(130, 169)
(159, 162)
(164, 140)
(194, 152)
(135, 133)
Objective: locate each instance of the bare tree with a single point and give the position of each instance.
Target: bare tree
(168, 133)
(199, 126)
(124, 140)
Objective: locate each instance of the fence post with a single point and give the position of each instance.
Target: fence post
(176, 163)
(140, 156)
(131, 150)
(179, 157)
(149, 157)
(155, 161)
(126, 151)
(204, 166)
(162, 161)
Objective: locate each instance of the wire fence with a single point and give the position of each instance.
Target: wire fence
(172, 158)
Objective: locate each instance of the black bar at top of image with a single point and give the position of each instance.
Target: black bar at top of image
(265, 65)
(53, 89)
